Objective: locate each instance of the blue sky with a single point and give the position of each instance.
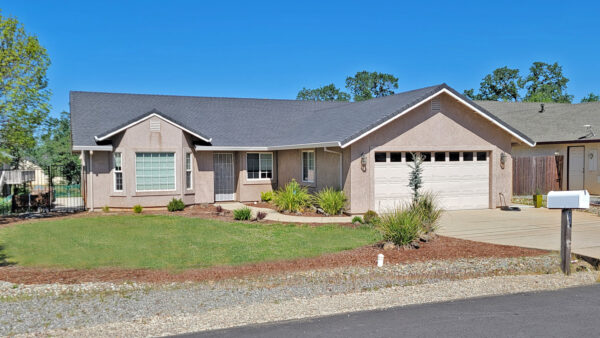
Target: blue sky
(273, 49)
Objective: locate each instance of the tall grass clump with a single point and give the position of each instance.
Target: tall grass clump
(293, 197)
(427, 209)
(331, 201)
(401, 226)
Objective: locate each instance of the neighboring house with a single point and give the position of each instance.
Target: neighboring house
(148, 149)
(571, 130)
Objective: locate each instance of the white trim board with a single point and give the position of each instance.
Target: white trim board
(144, 119)
(96, 148)
(443, 90)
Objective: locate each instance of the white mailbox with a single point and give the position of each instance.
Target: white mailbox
(576, 199)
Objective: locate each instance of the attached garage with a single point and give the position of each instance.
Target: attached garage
(460, 180)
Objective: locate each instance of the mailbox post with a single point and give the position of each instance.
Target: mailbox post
(567, 201)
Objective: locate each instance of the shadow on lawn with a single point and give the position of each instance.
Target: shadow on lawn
(4, 257)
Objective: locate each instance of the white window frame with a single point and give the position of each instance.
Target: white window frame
(260, 166)
(189, 170)
(174, 170)
(314, 166)
(115, 172)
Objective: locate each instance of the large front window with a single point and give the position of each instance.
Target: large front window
(259, 165)
(154, 171)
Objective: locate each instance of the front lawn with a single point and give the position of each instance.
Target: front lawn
(169, 242)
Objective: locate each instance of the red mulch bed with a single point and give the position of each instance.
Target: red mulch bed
(308, 213)
(438, 249)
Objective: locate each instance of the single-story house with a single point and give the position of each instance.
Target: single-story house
(570, 130)
(148, 149)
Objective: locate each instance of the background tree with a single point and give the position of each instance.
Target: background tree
(367, 85)
(591, 97)
(24, 92)
(326, 93)
(502, 84)
(546, 83)
(54, 147)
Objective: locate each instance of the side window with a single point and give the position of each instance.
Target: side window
(188, 171)
(118, 172)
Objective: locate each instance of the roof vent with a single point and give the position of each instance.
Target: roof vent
(541, 108)
(155, 126)
(436, 105)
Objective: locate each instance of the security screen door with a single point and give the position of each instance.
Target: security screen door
(224, 179)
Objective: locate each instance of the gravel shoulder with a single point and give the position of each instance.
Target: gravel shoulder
(143, 309)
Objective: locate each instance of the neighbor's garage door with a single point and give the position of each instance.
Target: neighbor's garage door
(459, 179)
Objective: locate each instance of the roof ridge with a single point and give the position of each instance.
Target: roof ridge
(205, 97)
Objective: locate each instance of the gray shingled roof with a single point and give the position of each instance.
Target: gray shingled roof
(558, 122)
(244, 122)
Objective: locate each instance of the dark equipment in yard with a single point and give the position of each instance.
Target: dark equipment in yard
(567, 201)
(504, 206)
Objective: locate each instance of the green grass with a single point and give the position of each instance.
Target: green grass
(169, 242)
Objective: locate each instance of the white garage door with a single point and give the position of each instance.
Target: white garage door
(459, 179)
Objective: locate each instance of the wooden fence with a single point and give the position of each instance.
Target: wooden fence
(537, 173)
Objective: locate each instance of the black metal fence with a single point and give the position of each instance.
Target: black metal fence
(37, 190)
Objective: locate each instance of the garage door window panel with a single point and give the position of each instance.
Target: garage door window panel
(440, 157)
(395, 157)
(481, 156)
(454, 156)
(380, 157)
(467, 156)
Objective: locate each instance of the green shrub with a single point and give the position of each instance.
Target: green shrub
(357, 219)
(401, 226)
(428, 211)
(266, 196)
(175, 205)
(293, 197)
(137, 209)
(242, 214)
(370, 217)
(105, 208)
(331, 201)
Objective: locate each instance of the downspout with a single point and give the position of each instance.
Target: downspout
(91, 182)
(341, 158)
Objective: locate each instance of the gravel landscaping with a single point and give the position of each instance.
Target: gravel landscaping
(141, 309)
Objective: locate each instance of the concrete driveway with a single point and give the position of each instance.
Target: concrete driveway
(530, 227)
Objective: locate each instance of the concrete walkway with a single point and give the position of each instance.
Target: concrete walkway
(273, 215)
(530, 227)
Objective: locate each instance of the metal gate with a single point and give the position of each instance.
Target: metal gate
(224, 178)
(33, 190)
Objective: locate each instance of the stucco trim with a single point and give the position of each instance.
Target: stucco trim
(106, 136)
(427, 99)
(272, 148)
(93, 148)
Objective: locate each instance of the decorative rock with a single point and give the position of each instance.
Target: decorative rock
(389, 246)
(357, 223)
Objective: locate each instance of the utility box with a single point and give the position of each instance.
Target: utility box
(576, 199)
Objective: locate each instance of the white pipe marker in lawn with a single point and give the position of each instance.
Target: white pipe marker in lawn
(380, 260)
(567, 201)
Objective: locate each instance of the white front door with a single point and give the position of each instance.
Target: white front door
(224, 177)
(460, 180)
(576, 167)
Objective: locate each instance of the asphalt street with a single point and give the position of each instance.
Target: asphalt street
(573, 312)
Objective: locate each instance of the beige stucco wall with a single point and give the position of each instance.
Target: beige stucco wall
(591, 179)
(327, 168)
(139, 138)
(454, 128)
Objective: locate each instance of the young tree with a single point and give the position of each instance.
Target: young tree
(54, 147)
(415, 179)
(24, 92)
(325, 93)
(591, 97)
(367, 85)
(546, 83)
(502, 84)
